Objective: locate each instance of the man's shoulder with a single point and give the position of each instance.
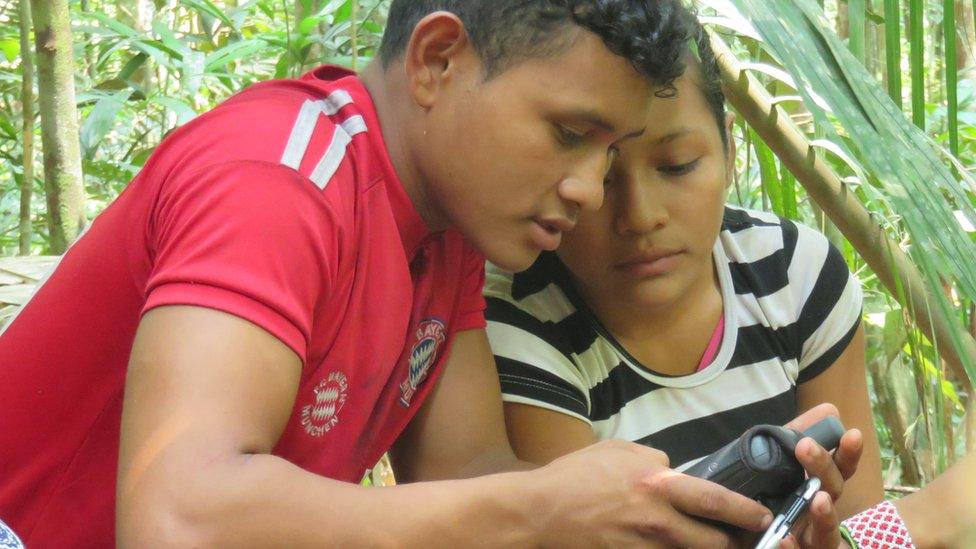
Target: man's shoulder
(308, 125)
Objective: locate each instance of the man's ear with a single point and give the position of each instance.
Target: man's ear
(730, 149)
(437, 45)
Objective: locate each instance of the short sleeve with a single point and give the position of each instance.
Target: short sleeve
(253, 239)
(831, 313)
(533, 367)
(472, 301)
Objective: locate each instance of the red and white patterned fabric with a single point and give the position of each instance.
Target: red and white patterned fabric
(879, 527)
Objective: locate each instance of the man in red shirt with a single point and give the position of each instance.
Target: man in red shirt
(265, 310)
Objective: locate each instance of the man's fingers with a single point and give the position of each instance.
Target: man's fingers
(683, 531)
(848, 453)
(705, 499)
(819, 463)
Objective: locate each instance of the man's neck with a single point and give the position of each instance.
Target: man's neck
(390, 96)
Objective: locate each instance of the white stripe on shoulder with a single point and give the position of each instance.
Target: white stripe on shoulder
(334, 102)
(354, 124)
(333, 156)
(308, 116)
(517, 344)
(752, 244)
(519, 399)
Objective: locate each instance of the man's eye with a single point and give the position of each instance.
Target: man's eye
(679, 169)
(567, 136)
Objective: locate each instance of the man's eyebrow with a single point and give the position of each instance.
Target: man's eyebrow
(594, 118)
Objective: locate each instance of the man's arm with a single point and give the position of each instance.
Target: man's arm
(460, 430)
(844, 384)
(207, 396)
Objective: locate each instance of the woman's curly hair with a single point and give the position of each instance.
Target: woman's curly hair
(653, 35)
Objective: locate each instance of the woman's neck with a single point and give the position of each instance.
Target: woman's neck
(671, 338)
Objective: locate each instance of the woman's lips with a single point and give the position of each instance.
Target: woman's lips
(651, 263)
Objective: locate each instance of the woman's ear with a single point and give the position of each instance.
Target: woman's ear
(730, 149)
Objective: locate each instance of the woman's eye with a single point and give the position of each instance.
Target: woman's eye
(679, 169)
(567, 136)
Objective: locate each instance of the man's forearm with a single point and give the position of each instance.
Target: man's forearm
(266, 501)
(491, 463)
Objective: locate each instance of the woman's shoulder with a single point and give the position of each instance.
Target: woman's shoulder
(537, 290)
(750, 235)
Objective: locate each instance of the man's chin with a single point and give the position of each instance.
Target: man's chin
(513, 259)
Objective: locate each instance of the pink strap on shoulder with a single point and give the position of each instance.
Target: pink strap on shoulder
(713, 344)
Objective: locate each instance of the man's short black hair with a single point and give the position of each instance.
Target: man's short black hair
(652, 34)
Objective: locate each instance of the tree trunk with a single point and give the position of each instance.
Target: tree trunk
(63, 182)
(27, 100)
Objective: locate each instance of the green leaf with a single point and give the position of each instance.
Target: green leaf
(169, 40)
(10, 48)
(892, 9)
(119, 28)
(309, 24)
(856, 13)
(9, 129)
(207, 7)
(952, 101)
(916, 40)
(233, 52)
(101, 120)
(768, 173)
(132, 66)
(184, 112)
(343, 13)
(950, 391)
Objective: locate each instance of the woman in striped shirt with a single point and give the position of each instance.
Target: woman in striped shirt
(673, 319)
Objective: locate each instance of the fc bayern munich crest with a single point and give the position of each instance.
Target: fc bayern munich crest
(323, 414)
(428, 340)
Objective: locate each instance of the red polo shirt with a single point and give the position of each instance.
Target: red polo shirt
(279, 206)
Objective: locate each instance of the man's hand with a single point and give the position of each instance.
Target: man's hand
(618, 493)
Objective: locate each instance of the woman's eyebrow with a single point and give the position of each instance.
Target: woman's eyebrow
(673, 135)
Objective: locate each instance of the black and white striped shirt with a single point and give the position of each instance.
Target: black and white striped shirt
(791, 307)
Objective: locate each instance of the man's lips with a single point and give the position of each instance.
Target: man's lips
(547, 232)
